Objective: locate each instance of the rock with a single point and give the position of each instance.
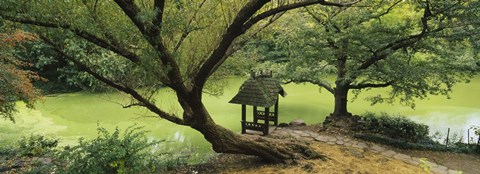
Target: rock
(439, 170)
(322, 138)
(297, 132)
(377, 148)
(356, 152)
(340, 142)
(453, 171)
(414, 161)
(430, 164)
(297, 122)
(45, 160)
(402, 157)
(362, 145)
(388, 153)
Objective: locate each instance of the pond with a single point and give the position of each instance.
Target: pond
(74, 115)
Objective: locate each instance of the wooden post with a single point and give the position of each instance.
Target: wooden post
(255, 114)
(448, 134)
(265, 131)
(468, 136)
(275, 115)
(244, 118)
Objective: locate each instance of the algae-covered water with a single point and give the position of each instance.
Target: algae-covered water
(74, 115)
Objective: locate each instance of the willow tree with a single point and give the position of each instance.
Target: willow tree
(411, 48)
(179, 44)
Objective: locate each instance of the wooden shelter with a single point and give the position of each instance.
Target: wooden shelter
(260, 91)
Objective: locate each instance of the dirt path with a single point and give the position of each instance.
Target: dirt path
(345, 155)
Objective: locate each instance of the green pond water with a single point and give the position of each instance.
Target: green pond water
(74, 115)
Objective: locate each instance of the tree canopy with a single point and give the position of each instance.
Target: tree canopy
(415, 48)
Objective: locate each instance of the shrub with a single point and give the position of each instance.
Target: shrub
(111, 153)
(36, 145)
(397, 127)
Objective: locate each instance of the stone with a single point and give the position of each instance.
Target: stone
(305, 135)
(348, 144)
(430, 164)
(438, 170)
(442, 168)
(389, 153)
(322, 138)
(340, 142)
(297, 122)
(414, 161)
(402, 157)
(332, 139)
(378, 148)
(45, 160)
(362, 145)
(453, 171)
(356, 152)
(331, 143)
(297, 132)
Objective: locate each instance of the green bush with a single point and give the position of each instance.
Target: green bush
(111, 153)
(36, 145)
(397, 127)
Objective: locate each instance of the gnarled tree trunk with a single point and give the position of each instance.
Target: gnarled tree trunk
(226, 141)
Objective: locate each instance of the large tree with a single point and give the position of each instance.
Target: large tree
(412, 48)
(179, 44)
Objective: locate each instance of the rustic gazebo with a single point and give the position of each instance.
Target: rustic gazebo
(259, 91)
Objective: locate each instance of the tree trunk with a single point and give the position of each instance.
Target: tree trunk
(341, 99)
(341, 84)
(226, 141)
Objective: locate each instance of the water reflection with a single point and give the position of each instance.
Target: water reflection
(459, 124)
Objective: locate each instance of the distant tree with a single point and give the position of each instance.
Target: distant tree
(15, 83)
(415, 48)
(179, 43)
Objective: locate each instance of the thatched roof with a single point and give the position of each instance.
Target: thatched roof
(259, 90)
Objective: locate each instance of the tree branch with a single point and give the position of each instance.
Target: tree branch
(152, 34)
(370, 85)
(158, 8)
(315, 82)
(284, 8)
(83, 34)
(382, 53)
(233, 31)
(242, 22)
(146, 103)
(187, 29)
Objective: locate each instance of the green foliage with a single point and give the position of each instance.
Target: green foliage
(383, 45)
(424, 165)
(397, 127)
(15, 82)
(36, 145)
(111, 153)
